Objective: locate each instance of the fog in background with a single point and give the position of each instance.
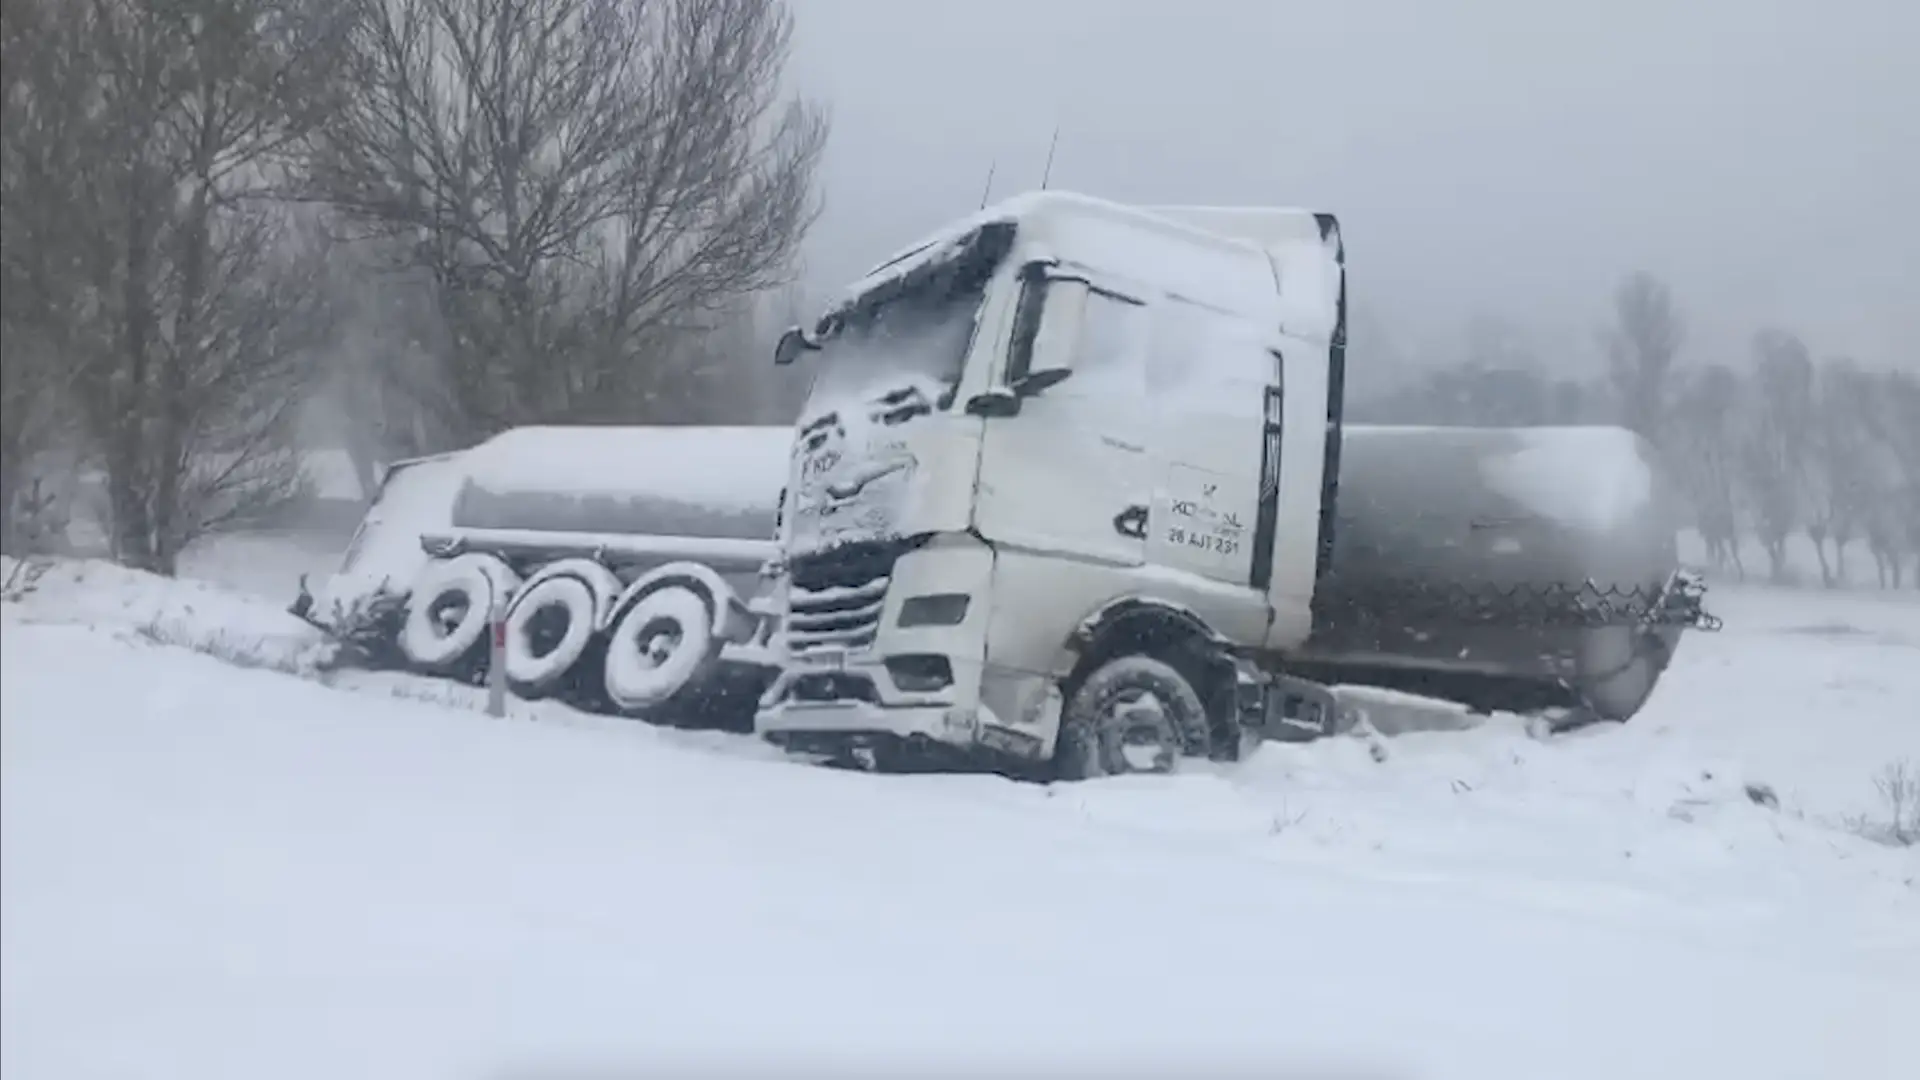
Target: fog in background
(244, 238)
(1499, 157)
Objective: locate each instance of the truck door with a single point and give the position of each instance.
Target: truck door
(1215, 390)
(1070, 474)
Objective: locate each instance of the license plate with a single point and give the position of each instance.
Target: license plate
(835, 659)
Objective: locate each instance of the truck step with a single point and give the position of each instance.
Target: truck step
(1296, 710)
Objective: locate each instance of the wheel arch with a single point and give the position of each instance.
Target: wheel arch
(730, 615)
(1162, 629)
(499, 574)
(599, 579)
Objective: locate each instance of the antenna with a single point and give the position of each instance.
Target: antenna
(988, 190)
(1051, 146)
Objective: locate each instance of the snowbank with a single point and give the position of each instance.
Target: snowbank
(135, 606)
(280, 879)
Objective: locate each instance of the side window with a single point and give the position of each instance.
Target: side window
(1110, 357)
(1204, 358)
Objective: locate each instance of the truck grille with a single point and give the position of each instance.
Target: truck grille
(835, 598)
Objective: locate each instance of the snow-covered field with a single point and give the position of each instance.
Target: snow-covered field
(213, 872)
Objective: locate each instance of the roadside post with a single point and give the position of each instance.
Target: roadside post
(497, 658)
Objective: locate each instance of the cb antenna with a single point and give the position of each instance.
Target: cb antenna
(988, 190)
(1047, 173)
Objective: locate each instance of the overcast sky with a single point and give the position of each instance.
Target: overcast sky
(1507, 156)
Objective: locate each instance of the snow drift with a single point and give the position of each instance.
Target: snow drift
(215, 873)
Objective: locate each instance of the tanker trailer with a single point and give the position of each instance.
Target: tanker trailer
(1521, 569)
(626, 559)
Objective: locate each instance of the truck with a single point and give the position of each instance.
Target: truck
(1072, 495)
(623, 565)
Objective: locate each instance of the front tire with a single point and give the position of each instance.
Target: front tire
(1134, 714)
(662, 645)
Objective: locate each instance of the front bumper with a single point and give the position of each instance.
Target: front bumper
(835, 682)
(796, 714)
(859, 694)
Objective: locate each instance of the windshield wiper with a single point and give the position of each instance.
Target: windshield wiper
(903, 404)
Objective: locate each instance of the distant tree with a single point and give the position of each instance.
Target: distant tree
(1641, 346)
(1893, 530)
(1776, 445)
(1843, 486)
(1704, 433)
(587, 184)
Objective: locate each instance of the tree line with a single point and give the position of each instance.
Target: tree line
(1777, 445)
(430, 220)
(435, 218)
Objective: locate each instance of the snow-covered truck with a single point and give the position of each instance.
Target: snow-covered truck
(626, 562)
(1071, 493)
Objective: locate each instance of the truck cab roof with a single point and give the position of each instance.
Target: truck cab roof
(1295, 255)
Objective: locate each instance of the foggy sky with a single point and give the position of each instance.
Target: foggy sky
(1504, 156)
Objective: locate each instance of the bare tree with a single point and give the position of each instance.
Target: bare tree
(1775, 447)
(1704, 433)
(586, 183)
(1883, 522)
(1842, 490)
(1893, 528)
(1641, 346)
(182, 303)
(42, 112)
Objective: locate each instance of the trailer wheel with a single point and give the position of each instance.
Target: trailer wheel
(549, 629)
(447, 612)
(1133, 714)
(661, 645)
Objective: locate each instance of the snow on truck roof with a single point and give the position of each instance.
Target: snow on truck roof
(1198, 248)
(718, 467)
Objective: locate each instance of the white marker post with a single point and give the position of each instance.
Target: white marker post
(497, 660)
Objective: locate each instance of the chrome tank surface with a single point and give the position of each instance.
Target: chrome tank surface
(635, 513)
(1480, 564)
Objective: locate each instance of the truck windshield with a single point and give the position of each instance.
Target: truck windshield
(905, 353)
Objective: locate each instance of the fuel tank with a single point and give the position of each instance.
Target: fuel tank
(1501, 567)
(706, 482)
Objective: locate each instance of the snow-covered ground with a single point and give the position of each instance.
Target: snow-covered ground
(213, 872)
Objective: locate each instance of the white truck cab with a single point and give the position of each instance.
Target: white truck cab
(1064, 468)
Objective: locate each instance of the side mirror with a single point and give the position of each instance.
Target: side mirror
(792, 343)
(1048, 359)
(1034, 382)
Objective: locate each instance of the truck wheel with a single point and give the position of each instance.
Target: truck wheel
(447, 612)
(661, 645)
(1134, 714)
(549, 628)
